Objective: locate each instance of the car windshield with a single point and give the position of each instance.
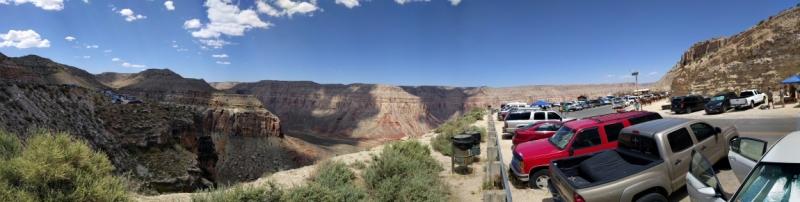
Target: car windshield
(771, 182)
(562, 137)
(718, 98)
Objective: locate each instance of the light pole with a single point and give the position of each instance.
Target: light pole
(636, 75)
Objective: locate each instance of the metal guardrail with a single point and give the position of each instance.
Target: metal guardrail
(493, 132)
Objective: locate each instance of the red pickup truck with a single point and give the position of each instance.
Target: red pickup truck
(592, 134)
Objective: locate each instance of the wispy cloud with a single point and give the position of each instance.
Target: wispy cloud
(115, 59)
(223, 63)
(87, 57)
(132, 65)
(220, 56)
(70, 38)
(107, 51)
(652, 73)
(609, 76)
(626, 76)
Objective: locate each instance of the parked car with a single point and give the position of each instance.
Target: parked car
(648, 165)
(688, 103)
(720, 103)
(767, 175)
(749, 98)
(531, 159)
(503, 112)
(573, 106)
(535, 131)
(521, 119)
(618, 104)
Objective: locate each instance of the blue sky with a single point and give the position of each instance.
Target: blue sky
(402, 42)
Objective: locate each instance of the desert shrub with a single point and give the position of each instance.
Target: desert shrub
(53, 167)
(241, 193)
(441, 142)
(339, 179)
(310, 192)
(10, 146)
(405, 171)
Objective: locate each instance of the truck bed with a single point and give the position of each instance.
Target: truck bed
(602, 167)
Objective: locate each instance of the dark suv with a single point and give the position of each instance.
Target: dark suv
(720, 103)
(688, 103)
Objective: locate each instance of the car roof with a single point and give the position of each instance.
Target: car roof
(784, 150)
(594, 120)
(652, 127)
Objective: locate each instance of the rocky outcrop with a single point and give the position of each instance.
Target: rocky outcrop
(760, 56)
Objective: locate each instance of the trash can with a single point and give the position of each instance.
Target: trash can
(476, 142)
(461, 150)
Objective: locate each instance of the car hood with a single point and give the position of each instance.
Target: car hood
(712, 103)
(536, 148)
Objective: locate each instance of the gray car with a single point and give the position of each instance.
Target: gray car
(574, 107)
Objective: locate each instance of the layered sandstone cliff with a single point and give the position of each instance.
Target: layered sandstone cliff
(761, 56)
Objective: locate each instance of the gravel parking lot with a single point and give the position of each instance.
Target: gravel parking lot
(521, 192)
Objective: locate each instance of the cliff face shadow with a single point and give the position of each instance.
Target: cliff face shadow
(443, 103)
(322, 114)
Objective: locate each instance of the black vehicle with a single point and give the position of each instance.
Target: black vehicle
(688, 103)
(594, 103)
(720, 103)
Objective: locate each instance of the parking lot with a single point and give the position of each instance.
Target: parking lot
(769, 125)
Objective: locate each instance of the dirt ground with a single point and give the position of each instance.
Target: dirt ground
(792, 110)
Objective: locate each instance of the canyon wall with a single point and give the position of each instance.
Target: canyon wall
(384, 112)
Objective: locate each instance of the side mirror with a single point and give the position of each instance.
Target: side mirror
(718, 130)
(735, 144)
(708, 192)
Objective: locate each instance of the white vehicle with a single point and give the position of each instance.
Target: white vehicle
(749, 98)
(517, 104)
(516, 120)
(765, 175)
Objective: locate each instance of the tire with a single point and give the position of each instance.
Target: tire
(724, 109)
(752, 106)
(538, 180)
(652, 197)
(688, 110)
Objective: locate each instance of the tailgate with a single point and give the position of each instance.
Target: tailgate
(560, 187)
(739, 101)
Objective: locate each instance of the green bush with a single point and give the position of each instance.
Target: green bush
(337, 177)
(53, 167)
(441, 142)
(405, 171)
(241, 193)
(310, 192)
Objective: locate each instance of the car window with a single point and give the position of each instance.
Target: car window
(680, 140)
(612, 131)
(519, 116)
(749, 148)
(702, 131)
(545, 127)
(771, 182)
(587, 138)
(553, 115)
(638, 143)
(702, 170)
(539, 116)
(645, 118)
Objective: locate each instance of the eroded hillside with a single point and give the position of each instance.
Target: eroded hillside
(762, 55)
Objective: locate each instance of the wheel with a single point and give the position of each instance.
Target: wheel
(724, 109)
(689, 110)
(652, 197)
(538, 180)
(752, 105)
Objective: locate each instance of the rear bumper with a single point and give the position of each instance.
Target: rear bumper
(552, 188)
(510, 130)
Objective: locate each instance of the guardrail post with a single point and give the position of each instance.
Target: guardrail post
(496, 165)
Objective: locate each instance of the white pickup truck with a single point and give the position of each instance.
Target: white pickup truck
(749, 98)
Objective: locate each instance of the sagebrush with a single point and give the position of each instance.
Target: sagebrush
(441, 142)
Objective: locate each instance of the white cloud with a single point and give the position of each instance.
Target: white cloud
(86, 1)
(454, 2)
(626, 76)
(86, 56)
(169, 5)
(652, 73)
(128, 14)
(220, 56)
(610, 75)
(203, 47)
(44, 4)
(192, 24)
(174, 45)
(401, 2)
(92, 46)
(69, 38)
(227, 19)
(183, 49)
(289, 8)
(107, 51)
(215, 43)
(23, 39)
(132, 65)
(348, 3)
(223, 63)
(115, 59)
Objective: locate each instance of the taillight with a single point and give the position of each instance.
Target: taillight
(578, 197)
(681, 105)
(505, 124)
